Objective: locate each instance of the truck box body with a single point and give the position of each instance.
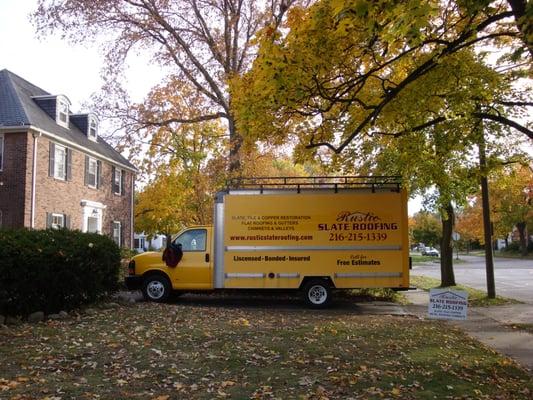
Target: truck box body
(276, 238)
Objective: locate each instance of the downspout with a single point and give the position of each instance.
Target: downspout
(131, 209)
(35, 135)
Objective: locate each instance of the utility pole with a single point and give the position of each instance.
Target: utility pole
(487, 226)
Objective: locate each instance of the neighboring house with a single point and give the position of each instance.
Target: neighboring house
(56, 170)
(142, 243)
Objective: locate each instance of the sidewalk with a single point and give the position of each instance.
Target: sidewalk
(489, 325)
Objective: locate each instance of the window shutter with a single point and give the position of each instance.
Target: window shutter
(98, 174)
(67, 220)
(122, 179)
(113, 186)
(121, 235)
(69, 164)
(52, 159)
(86, 170)
(48, 220)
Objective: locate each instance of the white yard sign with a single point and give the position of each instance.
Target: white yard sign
(447, 304)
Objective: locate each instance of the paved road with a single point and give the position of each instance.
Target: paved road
(514, 277)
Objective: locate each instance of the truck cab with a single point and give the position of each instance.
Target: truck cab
(148, 271)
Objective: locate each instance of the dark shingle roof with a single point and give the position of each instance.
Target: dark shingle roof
(17, 108)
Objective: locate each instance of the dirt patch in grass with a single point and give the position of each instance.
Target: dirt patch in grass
(476, 298)
(176, 351)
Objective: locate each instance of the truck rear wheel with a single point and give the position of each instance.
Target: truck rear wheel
(156, 288)
(317, 293)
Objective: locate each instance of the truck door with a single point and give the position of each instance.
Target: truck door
(194, 269)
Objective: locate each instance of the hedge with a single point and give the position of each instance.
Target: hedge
(52, 270)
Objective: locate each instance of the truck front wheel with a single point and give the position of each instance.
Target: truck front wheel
(156, 288)
(317, 293)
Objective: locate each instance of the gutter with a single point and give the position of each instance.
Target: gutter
(26, 128)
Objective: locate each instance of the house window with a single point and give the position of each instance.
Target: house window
(60, 162)
(139, 243)
(62, 113)
(92, 172)
(1, 151)
(92, 129)
(118, 181)
(116, 233)
(57, 221)
(92, 224)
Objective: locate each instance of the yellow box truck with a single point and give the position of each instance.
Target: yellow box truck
(309, 234)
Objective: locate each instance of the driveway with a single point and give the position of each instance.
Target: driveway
(513, 276)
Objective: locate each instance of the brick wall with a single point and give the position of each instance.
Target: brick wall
(54, 195)
(13, 180)
(64, 197)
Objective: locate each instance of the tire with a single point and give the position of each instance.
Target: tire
(156, 288)
(317, 293)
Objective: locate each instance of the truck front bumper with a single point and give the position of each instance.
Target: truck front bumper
(133, 282)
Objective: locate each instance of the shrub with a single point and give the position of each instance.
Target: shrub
(512, 247)
(52, 270)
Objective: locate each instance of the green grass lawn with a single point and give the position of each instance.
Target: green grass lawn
(476, 298)
(503, 254)
(417, 259)
(209, 351)
(523, 327)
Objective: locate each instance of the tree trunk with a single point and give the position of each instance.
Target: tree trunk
(487, 225)
(521, 226)
(235, 143)
(446, 250)
(523, 22)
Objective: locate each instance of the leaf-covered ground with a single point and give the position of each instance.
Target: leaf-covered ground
(207, 351)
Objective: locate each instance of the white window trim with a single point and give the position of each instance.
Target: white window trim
(57, 226)
(95, 162)
(58, 148)
(62, 101)
(2, 151)
(118, 174)
(119, 232)
(92, 120)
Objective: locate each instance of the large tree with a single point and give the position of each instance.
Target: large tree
(425, 228)
(512, 198)
(201, 43)
(344, 64)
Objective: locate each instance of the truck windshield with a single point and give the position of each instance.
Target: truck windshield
(192, 240)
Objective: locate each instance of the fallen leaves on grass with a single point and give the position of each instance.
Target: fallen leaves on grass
(172, 351)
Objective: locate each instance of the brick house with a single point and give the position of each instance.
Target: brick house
(55, 169)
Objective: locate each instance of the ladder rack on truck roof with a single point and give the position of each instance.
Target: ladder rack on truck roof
(314, 182)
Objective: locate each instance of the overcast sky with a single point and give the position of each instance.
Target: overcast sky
(53, 64)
